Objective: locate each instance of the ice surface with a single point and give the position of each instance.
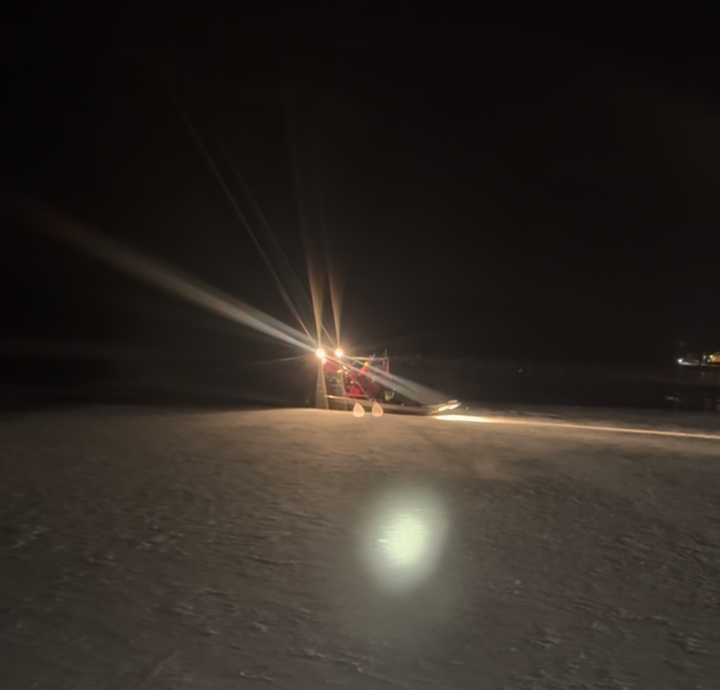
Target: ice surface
(150, 548)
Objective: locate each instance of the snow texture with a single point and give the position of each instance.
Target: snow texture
(156, 549)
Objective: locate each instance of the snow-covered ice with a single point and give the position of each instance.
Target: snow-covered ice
(159, 548)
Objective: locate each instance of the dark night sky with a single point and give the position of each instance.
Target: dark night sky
(486, 189)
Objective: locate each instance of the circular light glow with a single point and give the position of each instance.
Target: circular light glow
(403, 538)
(320, 353)
(339, 353)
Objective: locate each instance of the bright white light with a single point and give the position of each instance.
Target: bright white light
(405, 541)
(403, 538)
(452, 405)
(320, 353)
(339, 353)
(463, 418)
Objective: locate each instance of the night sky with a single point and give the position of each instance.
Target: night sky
(484, 190)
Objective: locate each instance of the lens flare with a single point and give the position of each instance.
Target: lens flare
(162, 276)
(320, 353)
(339, 353)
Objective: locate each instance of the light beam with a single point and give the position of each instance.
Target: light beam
(166, 278)
(572, 425)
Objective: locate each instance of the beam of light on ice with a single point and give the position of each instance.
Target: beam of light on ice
(463, 418)
(403, 537)
(572, 425)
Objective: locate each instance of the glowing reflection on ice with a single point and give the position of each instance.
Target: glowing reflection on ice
(406, 540)
(403, 538)
(462, 418)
